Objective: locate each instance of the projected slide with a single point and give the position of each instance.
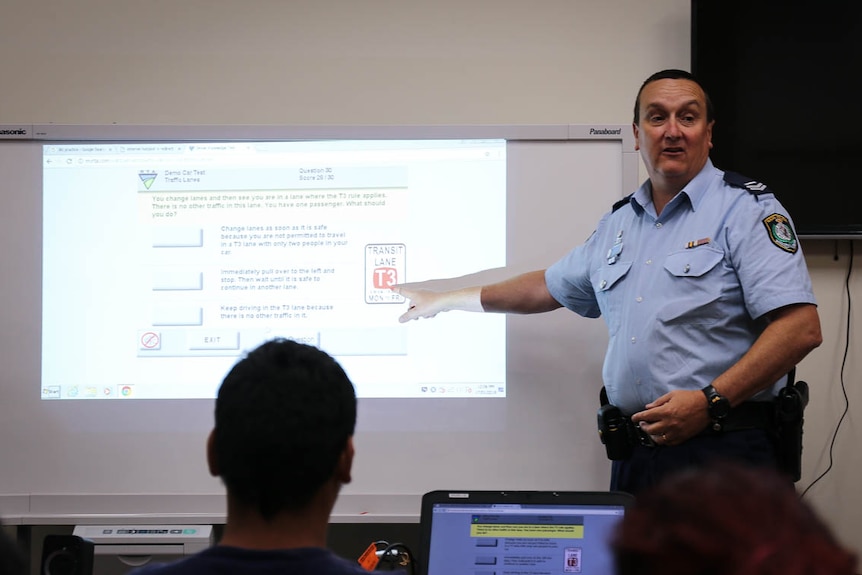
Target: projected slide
(164, 262)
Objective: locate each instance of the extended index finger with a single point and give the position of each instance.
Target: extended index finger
(401, 290)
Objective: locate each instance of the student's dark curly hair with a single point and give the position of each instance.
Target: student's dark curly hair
(283, 417)
(726, 520)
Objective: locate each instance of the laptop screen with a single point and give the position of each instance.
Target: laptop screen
(518, 532)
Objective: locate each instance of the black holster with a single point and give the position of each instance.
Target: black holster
(789, 416)
(616, 431)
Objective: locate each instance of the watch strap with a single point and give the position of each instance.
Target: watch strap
(717, 406)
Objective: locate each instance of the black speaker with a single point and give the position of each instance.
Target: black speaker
(67, 555)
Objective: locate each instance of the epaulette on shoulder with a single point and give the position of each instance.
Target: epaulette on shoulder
(751, 186)
(621, 203)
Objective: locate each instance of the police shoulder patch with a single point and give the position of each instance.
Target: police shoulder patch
(752, 186)
(781, 233)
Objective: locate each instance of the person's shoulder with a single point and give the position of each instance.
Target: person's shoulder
(621, 203)
(196, 564)
(185, 566)
(220, 559)
(316, 561)
(750, 185)
(778, 227)
(161, 569)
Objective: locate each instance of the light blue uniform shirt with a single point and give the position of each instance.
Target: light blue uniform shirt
(681, 296)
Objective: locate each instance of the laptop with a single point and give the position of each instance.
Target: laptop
(518, 532)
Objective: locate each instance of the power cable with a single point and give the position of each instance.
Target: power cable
(841, 376)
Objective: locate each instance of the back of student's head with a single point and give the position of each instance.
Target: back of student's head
(283, 417)
(726, 520)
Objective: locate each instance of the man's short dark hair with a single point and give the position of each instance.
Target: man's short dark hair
(283, 417)
(673, 74)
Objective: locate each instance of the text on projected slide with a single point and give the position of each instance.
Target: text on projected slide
(195, 253)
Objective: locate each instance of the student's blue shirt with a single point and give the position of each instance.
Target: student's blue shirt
(680, 292)
(224, 560)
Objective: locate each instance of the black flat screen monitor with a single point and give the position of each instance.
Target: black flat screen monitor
(783, 75)
(519, 532)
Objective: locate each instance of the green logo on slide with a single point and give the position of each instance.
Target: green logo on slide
(148, 178)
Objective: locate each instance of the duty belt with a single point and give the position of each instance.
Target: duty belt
(748, 415)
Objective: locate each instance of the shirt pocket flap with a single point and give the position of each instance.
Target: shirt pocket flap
(693, 263)
(606, 276)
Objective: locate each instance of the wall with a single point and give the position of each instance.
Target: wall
(396, 62)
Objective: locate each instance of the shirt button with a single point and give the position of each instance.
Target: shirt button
(648, 262)
(658, 224)
(686, 268)
(639, 299)
(634, 339)
(603, 284)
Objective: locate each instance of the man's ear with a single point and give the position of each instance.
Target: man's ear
(212, 460)
(345, 462)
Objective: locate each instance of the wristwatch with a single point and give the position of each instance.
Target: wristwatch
(717, 405)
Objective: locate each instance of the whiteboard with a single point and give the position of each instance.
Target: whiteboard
(560, 180)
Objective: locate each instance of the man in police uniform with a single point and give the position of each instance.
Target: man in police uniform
(704, 288)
